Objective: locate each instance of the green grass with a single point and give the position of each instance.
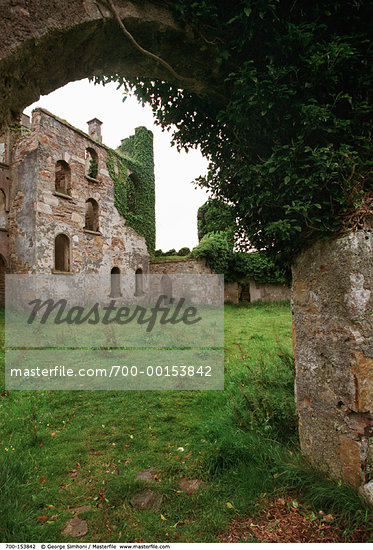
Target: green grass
(85, 447)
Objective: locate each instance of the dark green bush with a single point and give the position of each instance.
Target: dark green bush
(184, 251)
(215, 250)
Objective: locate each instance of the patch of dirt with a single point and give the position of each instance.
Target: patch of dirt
(285, 520)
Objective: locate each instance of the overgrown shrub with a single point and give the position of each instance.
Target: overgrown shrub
(215, 250)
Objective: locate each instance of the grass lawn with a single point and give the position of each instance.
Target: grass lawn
(61, 450)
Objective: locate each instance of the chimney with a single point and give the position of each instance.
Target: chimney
(94, 128)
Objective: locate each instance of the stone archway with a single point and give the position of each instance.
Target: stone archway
(44, 48)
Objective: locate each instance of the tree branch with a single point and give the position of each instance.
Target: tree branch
(126, 32)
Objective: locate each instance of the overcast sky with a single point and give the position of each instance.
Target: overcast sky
(177, 201)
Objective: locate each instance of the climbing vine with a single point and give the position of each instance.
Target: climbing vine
(132, 171)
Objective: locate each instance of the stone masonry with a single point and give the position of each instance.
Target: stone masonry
(268, 291)
(332, 303)
(38, 211)
(233, 291)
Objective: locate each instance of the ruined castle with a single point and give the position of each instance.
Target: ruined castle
(69, 204)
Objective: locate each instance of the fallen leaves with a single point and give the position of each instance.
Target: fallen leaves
(288, 521)
(42, 519)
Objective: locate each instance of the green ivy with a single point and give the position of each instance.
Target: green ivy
(255, 265)
(134, 186)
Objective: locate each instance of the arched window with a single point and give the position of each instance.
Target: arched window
(62, 253)
(166, 288)
(3, 218)
(3, 270)
(91, 215)
(115, 283)
(91, 163)
(62, 177)
(139, 282)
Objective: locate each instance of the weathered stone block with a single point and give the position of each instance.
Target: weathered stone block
(332, 306)
(350, 458)
(77, 218)
(44, 208)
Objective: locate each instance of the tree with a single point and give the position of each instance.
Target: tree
(215, 215)
(289, 142)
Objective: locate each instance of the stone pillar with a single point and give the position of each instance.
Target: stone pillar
(332, 306)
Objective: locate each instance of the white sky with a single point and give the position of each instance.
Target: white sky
(177, 201)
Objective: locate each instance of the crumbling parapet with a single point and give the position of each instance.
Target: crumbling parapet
(332, 306)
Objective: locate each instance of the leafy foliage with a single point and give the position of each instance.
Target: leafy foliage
(215, 215)
(183, 252)
(132, 171)
(217, 250)
(290, 144)
(258, 266)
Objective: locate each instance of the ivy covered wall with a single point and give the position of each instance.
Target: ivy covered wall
(132, 171)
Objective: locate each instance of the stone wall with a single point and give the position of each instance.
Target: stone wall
(182, 265)
(39, 213)
(268, 292)
(232, 291)
(332, 304)
(5, 188)
(187, 266)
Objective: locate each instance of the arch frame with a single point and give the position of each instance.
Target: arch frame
(67, 173)
(40, 46)
(115, 283)
(70, 256)
(95, 221)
